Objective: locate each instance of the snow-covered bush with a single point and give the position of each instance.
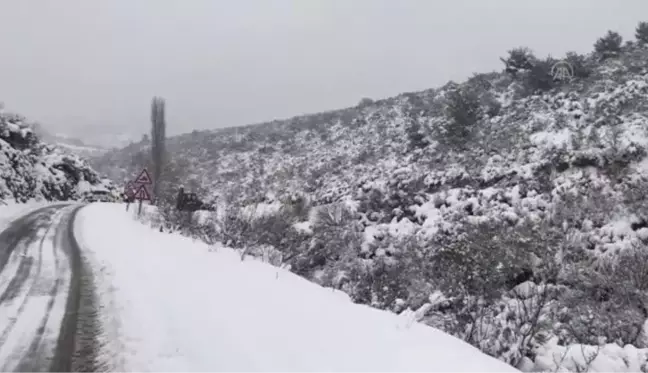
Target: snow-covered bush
(336, 237)
(415, 137)
(607, 302)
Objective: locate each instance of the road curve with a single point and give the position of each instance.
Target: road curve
(47, 318)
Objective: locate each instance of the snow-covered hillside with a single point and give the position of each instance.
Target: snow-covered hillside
(508, 210)
(31, 169)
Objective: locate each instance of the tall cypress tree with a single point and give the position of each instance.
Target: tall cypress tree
(158, 146)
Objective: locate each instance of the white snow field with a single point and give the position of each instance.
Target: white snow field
(171, 304)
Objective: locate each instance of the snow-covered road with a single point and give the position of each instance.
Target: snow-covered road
(93, 289)
(36, 332)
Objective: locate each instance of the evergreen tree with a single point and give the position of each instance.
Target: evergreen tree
(609, 45)
(463, 112)
(158, 139)
(641, 32)
(519, 60)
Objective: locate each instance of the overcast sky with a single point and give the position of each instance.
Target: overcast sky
(90, 64)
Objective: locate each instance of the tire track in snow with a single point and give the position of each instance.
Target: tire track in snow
(50, 305)
(16, 283)
(23, 290)
(38, 349)
(16, 289)
(48, 297)
(79, 344)
(16, 232)
(24, 229)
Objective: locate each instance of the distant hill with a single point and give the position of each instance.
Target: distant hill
(68, 144)
(105, 136)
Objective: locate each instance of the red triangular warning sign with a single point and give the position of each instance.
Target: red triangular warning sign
(144, 178)
(142, 194)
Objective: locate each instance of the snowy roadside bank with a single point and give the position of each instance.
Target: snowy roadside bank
(171, 305)
(550, 357)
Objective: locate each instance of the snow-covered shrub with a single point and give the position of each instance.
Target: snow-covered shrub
(188, 223)
(482, 260)
(380, 283)
(606, 301)
(297, 206)
(415, 137)
(233, 227)
(587, 207)
(634, 193)
(514, 326)
(373, 204)
(491, 106)
(271, 234)
(174, 220)
(336, 240)
(388, 273)
(270, 229)
(499, 281)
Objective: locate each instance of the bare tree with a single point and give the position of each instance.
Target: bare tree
(158, 136)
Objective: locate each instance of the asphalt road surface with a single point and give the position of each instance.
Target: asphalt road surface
(47, 318)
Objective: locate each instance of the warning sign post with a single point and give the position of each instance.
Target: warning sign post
(144, 178)
(129, 193)
(138, 189)
(142, 194)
